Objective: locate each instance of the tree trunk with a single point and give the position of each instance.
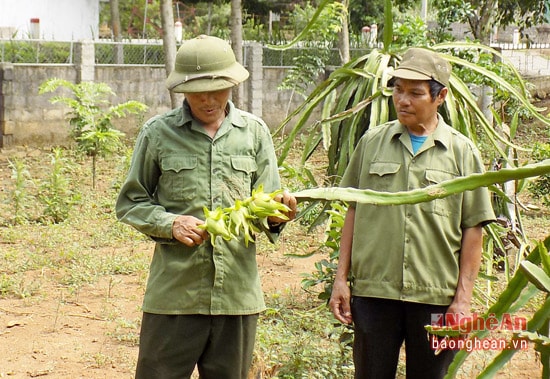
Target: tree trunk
(237, 45)
(209, 26)
(169, 41)
(117, 34)
(343, 40)
(482, 22)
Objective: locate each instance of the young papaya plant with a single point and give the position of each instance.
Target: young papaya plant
(91, 116)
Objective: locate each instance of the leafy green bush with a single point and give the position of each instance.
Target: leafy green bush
(301, 341)
(540, 187)
(19, 51)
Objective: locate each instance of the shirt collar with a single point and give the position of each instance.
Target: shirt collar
(442, 133)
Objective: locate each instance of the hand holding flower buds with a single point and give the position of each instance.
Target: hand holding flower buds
(246, 215)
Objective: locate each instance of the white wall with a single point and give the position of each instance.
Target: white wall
(60, 20)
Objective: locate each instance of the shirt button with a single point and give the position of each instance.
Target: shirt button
(407, 240)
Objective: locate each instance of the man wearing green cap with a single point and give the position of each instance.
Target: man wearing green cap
(410, 264)
(201, 303)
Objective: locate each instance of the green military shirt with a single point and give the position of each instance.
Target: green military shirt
(411, 252)
(177, 169)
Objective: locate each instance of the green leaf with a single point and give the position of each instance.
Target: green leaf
(536, 275)
(388, 24)
(534, 337)
(304, 31)
(544, 257)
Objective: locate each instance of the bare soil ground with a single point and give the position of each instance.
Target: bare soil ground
(92, 334)
(52, 329)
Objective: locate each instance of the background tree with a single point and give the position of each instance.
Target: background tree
(317, 29)
(117, 33)
(368, 12)
(237, 46)
(169, 42)
(343, 40)
(482, 15)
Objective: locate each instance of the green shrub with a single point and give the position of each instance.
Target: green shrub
(540, 187)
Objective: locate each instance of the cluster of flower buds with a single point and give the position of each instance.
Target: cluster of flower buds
(245, 216)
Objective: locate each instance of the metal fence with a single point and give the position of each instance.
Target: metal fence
(130, 53)
(150, 52)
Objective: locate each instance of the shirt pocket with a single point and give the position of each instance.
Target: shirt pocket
(446, 206)
(178, 180)
(244, 169)
(382, 175)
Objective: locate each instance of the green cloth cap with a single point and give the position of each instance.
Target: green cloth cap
(205, 64)
(423, 64)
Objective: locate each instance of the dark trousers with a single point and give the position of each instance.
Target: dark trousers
(381, 327)
(221, 347)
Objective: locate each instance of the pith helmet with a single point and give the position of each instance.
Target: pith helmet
(423, 64)
(205, 64)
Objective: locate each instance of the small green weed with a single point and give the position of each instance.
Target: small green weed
(301, 340)
(55, 192)
(19, 195)
(126, 331)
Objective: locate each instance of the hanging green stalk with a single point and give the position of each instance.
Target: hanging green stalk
(436, 191)
(270, 207)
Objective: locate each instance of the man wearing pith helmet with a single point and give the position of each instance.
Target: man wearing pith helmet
(415, 264)
(202, 299)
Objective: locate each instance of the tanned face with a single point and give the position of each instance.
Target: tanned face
(414, 105)
(208, 107)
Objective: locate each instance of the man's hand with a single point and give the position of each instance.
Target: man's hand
(185, 230)
(459, 311)
(290, 201)
(339, 303)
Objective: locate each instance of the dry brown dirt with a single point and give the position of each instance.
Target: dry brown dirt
(91, 332)
(71, 336)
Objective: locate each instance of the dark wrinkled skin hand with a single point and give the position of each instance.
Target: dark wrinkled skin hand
(340, 300)
(185, 230)
(290, 201)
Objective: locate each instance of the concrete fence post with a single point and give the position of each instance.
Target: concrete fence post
(7, 122)
(255, 82)
(85, 61)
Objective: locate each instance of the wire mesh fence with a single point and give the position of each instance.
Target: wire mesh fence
(286, 58)
(150, 52)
